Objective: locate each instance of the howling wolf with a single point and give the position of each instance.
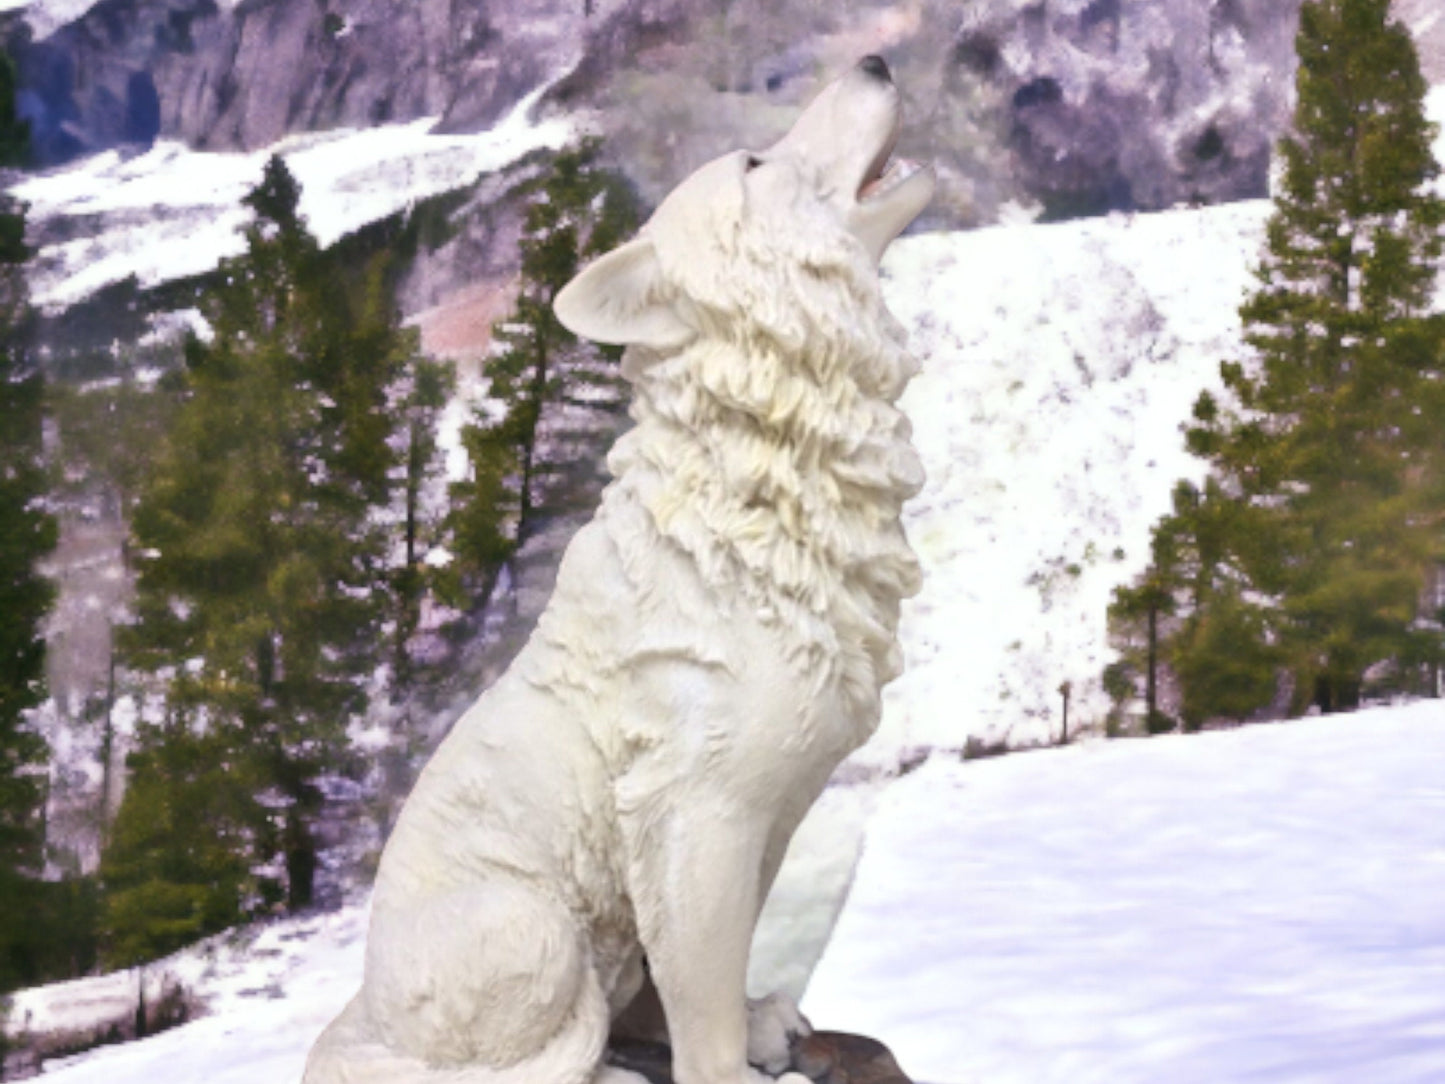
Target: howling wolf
(600, 829)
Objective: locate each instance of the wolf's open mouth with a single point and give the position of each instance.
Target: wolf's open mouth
(884, 172)
(897, 171)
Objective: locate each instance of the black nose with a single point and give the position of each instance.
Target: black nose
(876, 67)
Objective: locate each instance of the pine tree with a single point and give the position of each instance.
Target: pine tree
(428, 388)
(533, 449)
(105, 437)
(14, 131)
(1203, 550)
(264, 578)
(166, 882)
(1135, 618)
(1331, 428)
(27, 533)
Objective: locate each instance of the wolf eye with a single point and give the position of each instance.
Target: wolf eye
(752, 162)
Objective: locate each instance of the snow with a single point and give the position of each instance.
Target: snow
(1264, 904)
(270, 991)
(47, 16)
(1261, 904)
(1435, 110)
(1058, 363)
(172, 212)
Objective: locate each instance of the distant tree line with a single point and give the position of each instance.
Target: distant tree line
(1304, 572)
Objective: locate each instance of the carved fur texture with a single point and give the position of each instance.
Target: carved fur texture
(604, 823)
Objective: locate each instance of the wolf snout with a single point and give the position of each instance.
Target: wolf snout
(877, 67)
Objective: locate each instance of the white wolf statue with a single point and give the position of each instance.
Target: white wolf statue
(600, 830)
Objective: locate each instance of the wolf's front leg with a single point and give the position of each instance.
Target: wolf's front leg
(696, 885)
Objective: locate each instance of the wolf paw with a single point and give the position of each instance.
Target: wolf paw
(773, 1022)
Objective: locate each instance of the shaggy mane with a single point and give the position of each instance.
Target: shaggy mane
(770, 451)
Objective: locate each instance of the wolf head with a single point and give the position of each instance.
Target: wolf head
(736, 246)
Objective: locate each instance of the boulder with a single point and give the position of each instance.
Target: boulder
(825, 1057)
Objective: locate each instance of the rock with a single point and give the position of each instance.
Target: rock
(93, 85)
(1067, 107)
(835, 1057)
(1134, 104)
(825, 1057)
(243, 75)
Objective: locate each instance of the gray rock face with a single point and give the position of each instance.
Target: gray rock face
(242, 76)
(92, 84)
(1115, 104)
(1064, 106)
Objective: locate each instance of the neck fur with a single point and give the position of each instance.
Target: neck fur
(782, 470)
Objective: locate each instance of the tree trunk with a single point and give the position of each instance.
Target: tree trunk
(140, 1005)
(300, 849)
(525, 504)
(1151, 677)
(408, 589)
(1334, 693)
(107, 743)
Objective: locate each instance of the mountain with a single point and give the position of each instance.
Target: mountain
(170, 213)
(1066, 107)
(1026, 108)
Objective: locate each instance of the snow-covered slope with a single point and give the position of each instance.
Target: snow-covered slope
(1264, 904)
(1258, 905)
(270, 991)
(172, 212)
(1058, 363)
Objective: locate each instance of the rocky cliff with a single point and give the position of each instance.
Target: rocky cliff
(1069, 106)
(242, 75)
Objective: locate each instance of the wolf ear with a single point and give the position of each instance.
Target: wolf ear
(616, 299)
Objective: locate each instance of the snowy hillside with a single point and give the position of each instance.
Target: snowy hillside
(270, 990)
(173, 212)
(1264, 904)
(1259, 905)
(1058, 363)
